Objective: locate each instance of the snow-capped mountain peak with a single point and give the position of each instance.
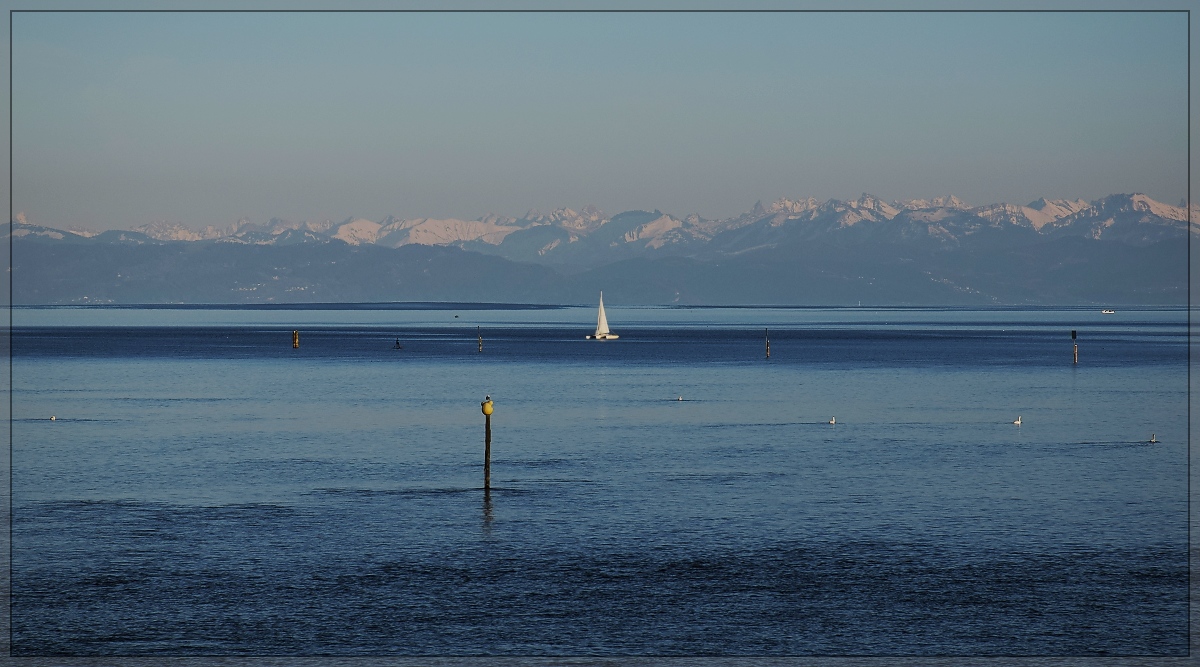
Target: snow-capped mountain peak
(949, 201)
(447, 231)
(873, 203)
(792, 205)
(493, 219)
(165, 231)
(585, 235)
(357, 231)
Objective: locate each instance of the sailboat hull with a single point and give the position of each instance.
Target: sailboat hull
(607, 336)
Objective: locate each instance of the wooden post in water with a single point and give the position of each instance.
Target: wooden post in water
(295, 340)
(487, 443)
(767, 337)
(480, 334)
(1075, 345)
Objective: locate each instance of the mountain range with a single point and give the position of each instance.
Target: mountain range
(1120, 249)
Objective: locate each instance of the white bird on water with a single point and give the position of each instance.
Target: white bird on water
(53, 418)
(1153, 439)
(1018, 422)
(681, 398)
(833, 420)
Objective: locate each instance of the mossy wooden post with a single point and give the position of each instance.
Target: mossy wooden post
(1075, 345)
(295, 340)
(487, 443)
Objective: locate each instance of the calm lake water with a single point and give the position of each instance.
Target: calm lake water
(207, 489)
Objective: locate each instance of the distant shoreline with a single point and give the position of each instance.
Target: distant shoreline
(453, 305)
(397, 305)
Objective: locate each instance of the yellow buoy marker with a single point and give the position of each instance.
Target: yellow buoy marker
(486, 406)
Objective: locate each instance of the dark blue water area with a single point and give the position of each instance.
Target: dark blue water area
(841, 345)
(229, 580)
(212, 491)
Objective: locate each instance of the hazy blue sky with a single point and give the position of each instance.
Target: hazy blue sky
(127, 118)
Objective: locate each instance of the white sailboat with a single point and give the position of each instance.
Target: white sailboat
(602, 332)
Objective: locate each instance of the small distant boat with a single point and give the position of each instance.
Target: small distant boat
(1108, 311)
(602, 332)
(833, 420)
(1018, 422)
(1153, 440)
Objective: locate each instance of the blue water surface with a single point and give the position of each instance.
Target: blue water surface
(207, 489)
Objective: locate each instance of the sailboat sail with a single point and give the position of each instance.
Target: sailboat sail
(602, 332)
(601, 320)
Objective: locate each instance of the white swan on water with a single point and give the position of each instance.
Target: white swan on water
(1018, 422)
